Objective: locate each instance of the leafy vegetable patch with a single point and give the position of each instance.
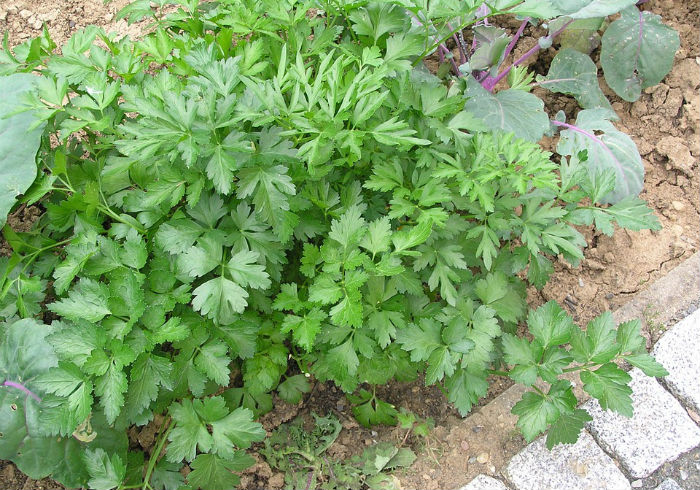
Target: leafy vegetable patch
(256, 196)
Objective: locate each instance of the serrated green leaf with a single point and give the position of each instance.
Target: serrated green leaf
(220, 299)
(567, 428)
(550, 324)
(210, 471)
(213, 361)
(304, 329)
(647, 364)
(610, 386)
(293, 388)
(105, 472)
(86, 301)
(534, 413)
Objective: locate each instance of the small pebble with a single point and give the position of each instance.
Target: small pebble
(483, 458)
(426, 476)
(609, 296)
(677, 205)
(492, 469)
(637, 484)
(472, 459)
(684, 475)
(581, 283)
(464, 445)
(25, 14)
(477, 428)
(374, 433)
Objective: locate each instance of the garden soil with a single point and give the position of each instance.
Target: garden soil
(664, 123)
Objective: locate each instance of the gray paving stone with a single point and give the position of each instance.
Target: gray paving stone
(580, 466)
(483, 482)
(679, 352)
(669, 484)
(659, 431)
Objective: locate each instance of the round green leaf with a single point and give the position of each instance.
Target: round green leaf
(20, 135)
(637, 52)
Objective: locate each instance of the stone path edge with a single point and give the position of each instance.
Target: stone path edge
(670, 298)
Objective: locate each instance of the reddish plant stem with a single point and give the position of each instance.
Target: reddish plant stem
(515, 39)
(462, 53)
(592, 136)
(22, 388)
(490, 83)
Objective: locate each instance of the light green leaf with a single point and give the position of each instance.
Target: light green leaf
(87, 300)
(20, 136)
(534, 413)
(212, 472)
(610, 386)
(293, 388)
(246, 272)
(647, 364)
(220, 299)
(574, 73)
(110, 387)
(612, 149)
(550, 324)
(213, 361)
(586, 9)
(509, 110)
(567, 428)
(105, 472)
(304, 328)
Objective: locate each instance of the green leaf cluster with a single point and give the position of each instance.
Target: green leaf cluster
(256, 196)
(595, 353)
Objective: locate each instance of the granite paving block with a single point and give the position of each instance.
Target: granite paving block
(679, 352)
(483, 482)
(659, 431)
(580, 466)
(669, 484)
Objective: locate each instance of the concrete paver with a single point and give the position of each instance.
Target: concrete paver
(669, 484)
(659, 431)
(483, 482)
(679, 352)
(580, 466)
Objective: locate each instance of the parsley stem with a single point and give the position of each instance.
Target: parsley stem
(156, 454)
(539, 391)
(497, 372)
(578, 368)
(460, 28)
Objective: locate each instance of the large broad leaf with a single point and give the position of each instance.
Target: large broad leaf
(24, 355)
(18, 144)
(637, 52)
(607, 149)
(586, 9)
(509, 110)
(575, 74)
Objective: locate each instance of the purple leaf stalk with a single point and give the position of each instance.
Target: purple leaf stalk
(21, 387)
(490, 82)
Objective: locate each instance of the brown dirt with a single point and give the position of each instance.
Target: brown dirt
(664, 123)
